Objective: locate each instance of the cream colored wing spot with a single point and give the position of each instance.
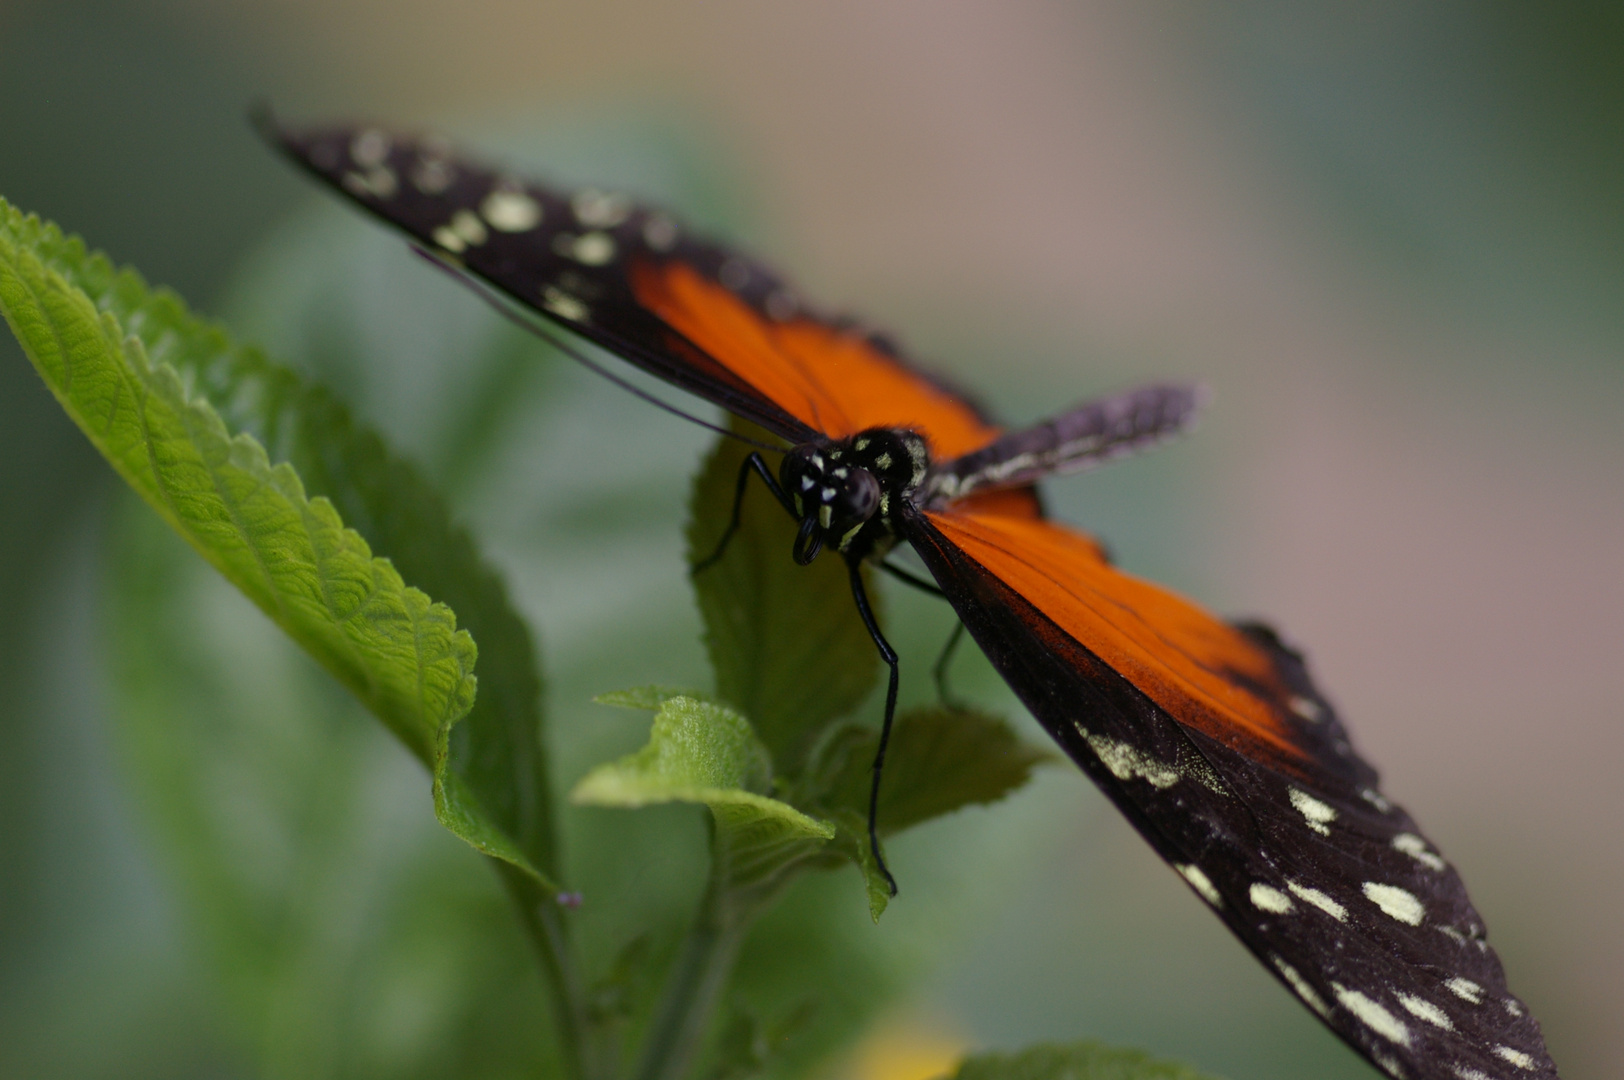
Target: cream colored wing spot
(1395, 902)
(1201, 883)
(1309, 895)
(1319, 815)
(1267, 898)
(510, 211)
(1373, 1014)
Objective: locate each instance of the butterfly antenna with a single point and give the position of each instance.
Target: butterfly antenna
(505, 309)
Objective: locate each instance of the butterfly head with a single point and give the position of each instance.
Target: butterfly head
(844, 490)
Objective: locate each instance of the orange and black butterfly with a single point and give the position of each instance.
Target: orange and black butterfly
(1208, 735)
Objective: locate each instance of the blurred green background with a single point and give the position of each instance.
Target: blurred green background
(1389, 236)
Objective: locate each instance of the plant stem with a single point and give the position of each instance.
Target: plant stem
(544, 922)
(693, 987)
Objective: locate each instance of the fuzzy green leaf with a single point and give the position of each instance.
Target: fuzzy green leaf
(185, 416)
(786, 642)
(649, 698)
(1079, 1061)
(702, 752)
(320, 901)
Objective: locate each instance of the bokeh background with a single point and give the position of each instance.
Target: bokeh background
(1389, 236)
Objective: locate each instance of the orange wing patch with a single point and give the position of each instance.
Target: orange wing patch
(1203, 672)
(835, 382)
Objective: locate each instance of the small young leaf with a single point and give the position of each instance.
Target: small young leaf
(746, 1046)
(851, 839)
(1080, 1061)
(613, 996)
(185, 416)
(702, 752)
(650, 698)
(939, 760)
(786, 642)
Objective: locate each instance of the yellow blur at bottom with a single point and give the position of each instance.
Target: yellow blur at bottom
(906, 1050)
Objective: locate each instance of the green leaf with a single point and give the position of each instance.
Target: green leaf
(851, 840)
(347, 933)
(939, 760)
(613, 996)
(702, 752)
(786, 642)
(1080, 1061)
(650, 698)
(746, 1046)
(186, 417)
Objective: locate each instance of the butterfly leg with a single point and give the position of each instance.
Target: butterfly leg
(757, 464)
(889, 655)
(939, 672)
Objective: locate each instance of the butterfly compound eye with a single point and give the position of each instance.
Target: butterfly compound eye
(859, 497)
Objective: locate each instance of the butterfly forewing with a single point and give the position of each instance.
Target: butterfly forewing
(626, 277)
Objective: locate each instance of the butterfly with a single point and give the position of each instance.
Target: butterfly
(1209, 736)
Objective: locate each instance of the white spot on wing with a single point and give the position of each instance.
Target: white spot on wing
(1422, 1009)
(465, 230)
(1466, 1072)
(1416, 848)
(1374, 798)
(1373, 1014)
(448, 240)
(660, 232)
(1202, 884)
(1127, 762)
(1465, 989)
(1266, 898)
(369, 148)
(1516, 1057)
(562, 304)
(432, 176)
(378, 183)
(1318, 814)
(1399, 903)
(600, 209)
(1513, 1007)
(511, 211)
(1306, 708)
(594, 249)
(466, 224)
(1313, 896)
(1309, 995)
